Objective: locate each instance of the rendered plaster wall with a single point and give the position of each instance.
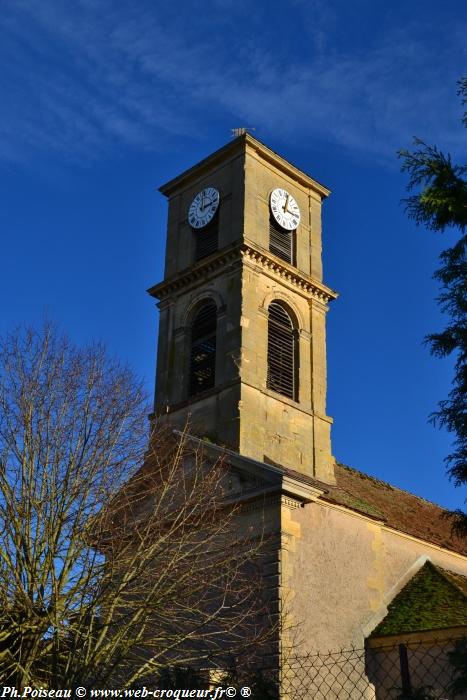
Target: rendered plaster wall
(342, 571)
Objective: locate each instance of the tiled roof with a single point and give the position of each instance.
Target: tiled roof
(381, 501)
(434, 599)
(457, 580)
(398, 509)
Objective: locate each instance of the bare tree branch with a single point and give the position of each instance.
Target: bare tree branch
(115, 560)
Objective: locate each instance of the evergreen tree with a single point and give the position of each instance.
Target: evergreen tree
(440, 204)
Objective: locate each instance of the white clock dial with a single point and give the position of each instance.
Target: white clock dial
(203, 207)
(284, 209)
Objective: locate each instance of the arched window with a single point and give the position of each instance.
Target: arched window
(282, 352)
(203, 349)
(281, 241)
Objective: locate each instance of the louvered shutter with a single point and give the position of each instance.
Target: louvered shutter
(282, 352)
(207, 239)
(281, 241)
(203, 349)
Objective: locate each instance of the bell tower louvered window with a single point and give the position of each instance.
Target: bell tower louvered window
(281, 241)
(207, 239)
(203, 349)
(282, 352)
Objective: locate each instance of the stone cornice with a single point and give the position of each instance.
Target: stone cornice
(195, 273)
(271, 482)
(232, 149)
(281, 163)
(267, 499)
(253, 255)
(287, 273)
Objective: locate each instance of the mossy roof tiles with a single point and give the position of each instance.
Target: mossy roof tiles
(433, 599)
(401, 510)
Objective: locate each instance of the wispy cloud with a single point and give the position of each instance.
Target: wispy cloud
(77, 79)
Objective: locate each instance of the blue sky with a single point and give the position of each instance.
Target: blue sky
(104, 101)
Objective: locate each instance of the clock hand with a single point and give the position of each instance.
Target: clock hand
(286, 205)
(209, 203)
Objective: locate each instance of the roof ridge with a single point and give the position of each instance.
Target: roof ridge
(453, 583)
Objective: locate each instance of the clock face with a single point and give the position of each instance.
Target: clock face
(284, 209)
(203, 207)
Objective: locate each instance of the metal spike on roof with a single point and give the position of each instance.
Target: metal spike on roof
(240, 130)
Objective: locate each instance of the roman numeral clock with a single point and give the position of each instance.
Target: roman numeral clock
(203, 207)
(284, 209)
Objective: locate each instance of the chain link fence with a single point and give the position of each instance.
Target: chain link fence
(419, 669)
(415, 670)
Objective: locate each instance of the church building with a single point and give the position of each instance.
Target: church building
(242, 356)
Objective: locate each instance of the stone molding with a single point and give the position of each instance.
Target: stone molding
(237, 381)
(194, 274)
(234, 149)
(264, 498)
(270, 482)
(287, 273)
(209, 293)
(249, 254)
(279, 295)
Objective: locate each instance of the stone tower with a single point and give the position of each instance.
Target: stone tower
(242, 339)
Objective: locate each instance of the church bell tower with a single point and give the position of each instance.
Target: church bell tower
(242, 338)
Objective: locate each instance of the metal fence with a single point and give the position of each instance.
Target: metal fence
(415, 670)
(419, 669)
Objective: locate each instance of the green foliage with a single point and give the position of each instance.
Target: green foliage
(440, 204)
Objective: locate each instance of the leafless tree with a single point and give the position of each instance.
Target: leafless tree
(121, 552)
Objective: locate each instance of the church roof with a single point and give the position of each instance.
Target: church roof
(354, 490)
(399, 509)
(433, 599)
(396, 508)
